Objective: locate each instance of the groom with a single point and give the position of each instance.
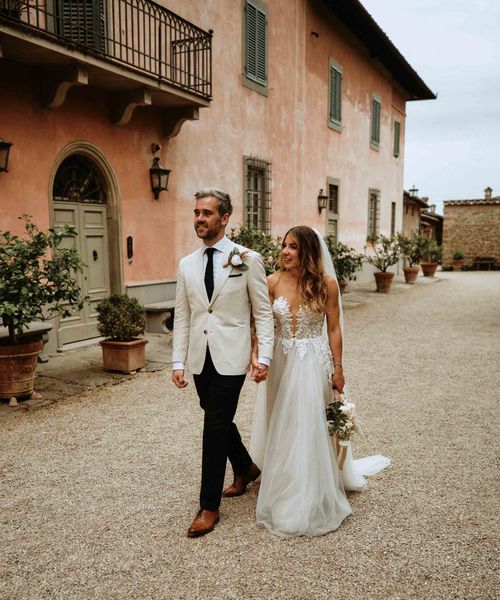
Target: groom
(219, 287)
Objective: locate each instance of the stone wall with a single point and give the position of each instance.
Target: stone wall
(473, 228)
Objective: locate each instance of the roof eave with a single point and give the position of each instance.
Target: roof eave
(355, 16)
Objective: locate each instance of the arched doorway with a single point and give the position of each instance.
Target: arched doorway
(83, 197)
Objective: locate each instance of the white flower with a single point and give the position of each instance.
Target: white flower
(347, 408)
(236, 260)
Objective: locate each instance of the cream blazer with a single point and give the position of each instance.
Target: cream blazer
(223, 324)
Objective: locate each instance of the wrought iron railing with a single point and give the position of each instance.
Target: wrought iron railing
(138, 33)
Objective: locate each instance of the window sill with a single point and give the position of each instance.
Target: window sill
(375, 146)
(335, 126)
(253, 85)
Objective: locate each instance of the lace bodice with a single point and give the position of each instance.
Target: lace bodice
(306, 324)
(302, 331)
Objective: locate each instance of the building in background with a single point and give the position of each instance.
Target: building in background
(473, 227)
(279, 102)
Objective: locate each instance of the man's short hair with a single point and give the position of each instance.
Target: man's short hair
(225, 206)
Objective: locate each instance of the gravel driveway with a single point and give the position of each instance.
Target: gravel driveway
(96, 494)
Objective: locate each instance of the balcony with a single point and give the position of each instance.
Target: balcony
(139, 51)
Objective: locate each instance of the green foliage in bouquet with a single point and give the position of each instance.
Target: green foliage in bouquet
(386, 252)
(345, 259)
(255, 239)
(37, 277)
(412, 248)
(120, 318)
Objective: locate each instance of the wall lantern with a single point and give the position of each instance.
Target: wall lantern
(4, 155)
(322, 200)
(159, 178)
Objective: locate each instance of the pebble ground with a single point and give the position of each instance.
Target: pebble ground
(96, 492)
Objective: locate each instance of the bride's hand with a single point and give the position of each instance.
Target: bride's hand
(338, 381)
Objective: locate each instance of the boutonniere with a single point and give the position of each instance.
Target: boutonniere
(236, 258)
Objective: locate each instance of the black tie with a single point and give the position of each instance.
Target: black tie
(209, 273)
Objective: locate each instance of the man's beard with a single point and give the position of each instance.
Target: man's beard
(208, 233)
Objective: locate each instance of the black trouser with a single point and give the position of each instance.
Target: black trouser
(221, 439)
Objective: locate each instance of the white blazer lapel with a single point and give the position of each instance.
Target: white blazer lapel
(224, 271)
(199, 273)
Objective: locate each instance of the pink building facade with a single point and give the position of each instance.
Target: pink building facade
(271, 101)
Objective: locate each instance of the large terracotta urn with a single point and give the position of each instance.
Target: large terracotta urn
(18, 368)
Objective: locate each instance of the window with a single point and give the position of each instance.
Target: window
(255, 46)
(393, 218)
(257, 194)
(373, 214)
(335, 96)
(397, 135)
(375, 127)
(82, 22)
(332, 209)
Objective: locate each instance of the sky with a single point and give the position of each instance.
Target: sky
(452, 146)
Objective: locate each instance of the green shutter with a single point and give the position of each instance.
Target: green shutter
(83, 22)
(397, 134)
(375, 133)
(335, 95)
(256, 43)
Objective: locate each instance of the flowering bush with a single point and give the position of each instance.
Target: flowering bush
(412, 248)
(269, 248)
(345, 259)
(386, 253)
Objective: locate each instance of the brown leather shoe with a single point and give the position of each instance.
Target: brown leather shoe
(204, 522)
(241, 481)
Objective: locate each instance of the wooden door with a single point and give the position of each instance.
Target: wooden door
(90, 222)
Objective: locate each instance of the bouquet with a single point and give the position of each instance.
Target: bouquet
(341, 420)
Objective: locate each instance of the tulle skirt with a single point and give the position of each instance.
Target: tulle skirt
(302, 490)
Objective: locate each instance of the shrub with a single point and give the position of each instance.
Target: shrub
(412, 248)
(345, 259)
(458, 255)
(386, 253)
(432, 251)
(254, 239)
(120, 318)
(34, 285)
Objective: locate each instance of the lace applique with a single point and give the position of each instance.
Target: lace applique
(308, 332)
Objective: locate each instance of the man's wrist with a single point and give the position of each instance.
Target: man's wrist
(177, 366)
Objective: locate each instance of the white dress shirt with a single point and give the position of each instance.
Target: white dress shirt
(217, 262)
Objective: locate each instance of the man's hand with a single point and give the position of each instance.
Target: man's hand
(178, 378)
(259, 372)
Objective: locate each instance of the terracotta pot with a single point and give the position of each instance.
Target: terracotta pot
(383, 280)
(342, 286)
(126, 357)
(429, 268)
(18, 368)
(411, 274)
(457, 264)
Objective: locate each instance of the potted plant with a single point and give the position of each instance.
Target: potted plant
(121, 319)
(37, 282)
(386, 252)
(432, 253)
(458, 260)
(412, 251)
(13, 8)
(345, 260)
(269, 248)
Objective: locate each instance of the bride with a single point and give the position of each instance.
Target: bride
(302, 490)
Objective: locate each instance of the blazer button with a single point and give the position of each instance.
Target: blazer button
(205, 331)
(210, 310)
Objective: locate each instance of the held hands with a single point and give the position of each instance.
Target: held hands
(178, 378)
(338, 381)
(259, 371)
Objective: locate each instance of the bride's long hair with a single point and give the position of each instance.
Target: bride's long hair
(311, 278)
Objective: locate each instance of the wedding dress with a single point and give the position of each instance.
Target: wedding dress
(302, 490)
